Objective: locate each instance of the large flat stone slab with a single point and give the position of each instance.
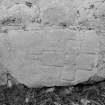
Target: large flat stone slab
(49, 57)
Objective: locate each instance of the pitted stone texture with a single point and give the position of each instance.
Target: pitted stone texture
(18, 15)
(48, 57)
(101, 56)
(54, 16)
(58, 14)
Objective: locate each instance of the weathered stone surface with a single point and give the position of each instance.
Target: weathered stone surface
(87, 61)
(49, 57)
(18, 14)
(58, 14)
(83, 75)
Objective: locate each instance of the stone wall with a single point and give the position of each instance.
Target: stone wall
(52, 43)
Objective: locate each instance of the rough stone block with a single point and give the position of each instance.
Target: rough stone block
(68, 73)
(47, 57)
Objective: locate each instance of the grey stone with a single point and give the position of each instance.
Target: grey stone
(49, 57)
